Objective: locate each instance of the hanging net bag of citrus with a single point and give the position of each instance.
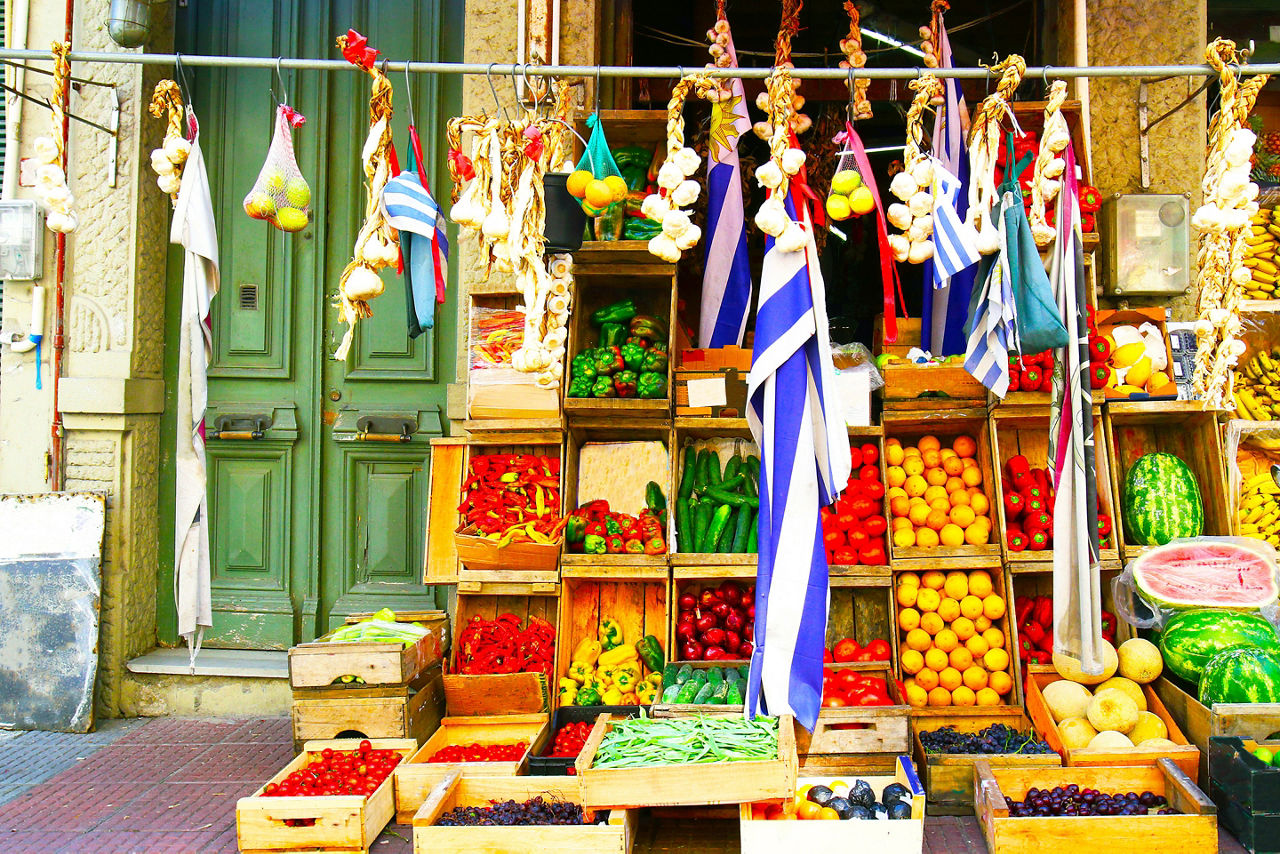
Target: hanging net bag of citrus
(281, 195)
(597, 182)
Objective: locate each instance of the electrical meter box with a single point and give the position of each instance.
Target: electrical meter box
(1146, 244)
(21, 240)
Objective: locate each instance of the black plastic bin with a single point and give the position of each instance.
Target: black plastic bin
(565, 218)
(558, 766)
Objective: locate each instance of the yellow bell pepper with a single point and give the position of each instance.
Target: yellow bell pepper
(613, 697)
(626, 680)
(655, 679)
(606, 674)
(587, 651)
(630, 700)
(568, 696)
(610, 633)
(619, 654)
(646, 693)
(581, 672)
(630, 667)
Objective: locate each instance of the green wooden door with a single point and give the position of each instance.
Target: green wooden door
(314, 517)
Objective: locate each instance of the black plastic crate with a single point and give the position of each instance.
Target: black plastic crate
(558, 766)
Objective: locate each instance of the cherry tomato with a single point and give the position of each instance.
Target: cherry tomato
(857, 457)
(835, 702)
(874, 490)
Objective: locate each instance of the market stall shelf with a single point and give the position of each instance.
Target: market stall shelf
(933, 387)
(1199, 723)
(416, 777)
(473, 690)
(500, 399)
(1246, 791)
(444, 487)
(320, 663)
(1194, 829)
(692, 497)
(317, 823)
(858, 740)
(378, 712)
(616, 836)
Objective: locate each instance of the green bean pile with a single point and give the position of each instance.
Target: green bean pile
(646, 742)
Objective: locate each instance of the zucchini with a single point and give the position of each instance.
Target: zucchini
(703, 514)
(742, 531)
(731, 498)
(725, 544)
(683, 674)
(719, 521)
(688, 472)
(699, 676)
(732, 484)
(704, 694)
(753, 463)
(684, 525)
(753, 545)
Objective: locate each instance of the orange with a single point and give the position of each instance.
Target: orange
(993, 637)
(599, 194)
(935, 659)
(893, 453)
(977, 645)
(949, 678)
(936, 493)
(963, 696)
(963, 627)
(895, 476)
(939, 697)
(983, 624)
(936, 519)
(971, 477)
(928, 443)
(900, 522)
(951, 535)
(971, 607)
(931, 458)
(993, 606)
(928, 599)
(960, 498)
(942, 505)
(995, 660)
(806, 810)
(977, 535)
(899, 504)
(960, 658)
(952, 465)
(927, 679)
(946, 453)
(957, 584)
(907, 597)
(978, 501)
(948, 609)
(911, 451)
(980, 583)
(934, 579)
(935, 476)
(912, 661)
(987, 697)
(926, 538)
(917, 696)
(932, 622)
(965, 446)
(619, 186)
(963, 517)
(953, 485)
(919, 640)
(968, 463)
(908, 618)
(975, 677)
(946, 640)
(577, 183)
(828, 814)
(913, 465)
(915, 485)
(1001, 682)
(904, 538)
(895, 491)
(909, 578)
(918, 514)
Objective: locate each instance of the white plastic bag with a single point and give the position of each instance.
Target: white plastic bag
(281, 196)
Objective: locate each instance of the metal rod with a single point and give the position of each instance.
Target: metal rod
(666, 71)
(48, 106)
(80, 80)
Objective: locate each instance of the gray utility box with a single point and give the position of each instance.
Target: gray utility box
(1146, 244)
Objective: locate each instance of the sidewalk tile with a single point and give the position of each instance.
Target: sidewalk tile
(202, 731)
(67, 806)
(262, 730)
(250, 761)
(135, 763)
(153, 842)
(9, 791)
(38, 841)
(180, 807)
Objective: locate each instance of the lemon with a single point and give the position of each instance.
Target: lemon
(275, 183)
(291, 219)
(838, 207)
(297, 193)
(618, 186)
(260, 206)
(577, 183)
(861, 201)
(845, 182)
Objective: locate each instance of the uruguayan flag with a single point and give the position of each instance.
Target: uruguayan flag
(410, 209)
(954, 241)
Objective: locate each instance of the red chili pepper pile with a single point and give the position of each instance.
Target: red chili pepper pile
(512, 497)
(1035, 628)
(480, 753)
(570, 739)
(502, 646)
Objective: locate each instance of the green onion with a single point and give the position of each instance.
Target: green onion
(645, 742)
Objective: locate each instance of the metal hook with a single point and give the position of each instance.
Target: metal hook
(284, 90)
(849, 110)
(533, 87)
(182, 80)
(488, 74)
(1044, 76)
(408, 94)
(597, 92)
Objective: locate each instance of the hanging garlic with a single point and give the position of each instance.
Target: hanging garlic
(769, 175)
(655, 207)
(793, 238)
(772, 217)
(792, 161)
(903, 186)
(920, 252)
(920, 204)
(685, 194)
(669, 176)
(665, 248)
(362, 285)
(899, 216)
(687, 161)
(922, 174)
(675, 223)
(900, 246)
(690, 238)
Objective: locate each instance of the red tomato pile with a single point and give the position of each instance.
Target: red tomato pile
(479, 753)
(847, 649)
(569, 739)
(336, 772)
(853, 528)
(842, 688)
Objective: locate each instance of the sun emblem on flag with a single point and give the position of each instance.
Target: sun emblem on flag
(724, 132)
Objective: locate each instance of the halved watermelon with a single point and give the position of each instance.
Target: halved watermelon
(1206, 573)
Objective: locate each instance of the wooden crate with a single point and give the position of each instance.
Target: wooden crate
(504, 693)
(604, 273)
(319, 664)
(726, 368)
(909, 429)
(342, 822)
(708, 783)
(897, 837)
(727, 436)
(1246, 791)
(543, 765)
(1025, 431)
(858, 739)
(1192, 435)
(615, 837)
(1195, 830)
(490, 407)
(695, 586)
(638, 601)
(1186, 756)
(389, 712)
(676, 710)
(444, 485)
(923, 388)
(649, 431)
(416, 777)
(1106, 321)
(948, 778)
(1199, 723)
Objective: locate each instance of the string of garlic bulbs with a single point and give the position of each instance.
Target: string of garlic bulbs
(784, 162)
(676, 188)
(168, 160)
(51, 176)
(913, 186)
(984, 147)
(797, 121)
(856, 57)
(1046, 180)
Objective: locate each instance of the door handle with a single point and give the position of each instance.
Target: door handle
(371, 428)
(240, 427)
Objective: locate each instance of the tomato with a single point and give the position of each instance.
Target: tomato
(881, 648)
(833, 540)
(835, 702)
(857, 457)
(874, 490)
(846, 519)
(874, 525)
(845, 650)
(873, 698)
(844, 557)
(858, 539)
(366, 746)
(847, 679)
(872, 554)
(826, 656)
(863, 507)
(869, 474)
(864, 655)
(870, 453)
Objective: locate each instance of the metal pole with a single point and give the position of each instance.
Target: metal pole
(668, 71)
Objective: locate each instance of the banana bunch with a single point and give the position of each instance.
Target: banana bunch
(1262, 254)
(1257, 387)
(1259, 510)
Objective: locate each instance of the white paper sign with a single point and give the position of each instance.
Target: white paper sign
(708, 392)
(854, 390)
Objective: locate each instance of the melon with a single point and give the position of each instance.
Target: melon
(1132, 689)
(1191, 638)
(1149, 726)
(1158, 744)
(1245, 674)
(1161, 501)
(1207, 573)
(1140, 660)
(1069, 668)
(1066, 699)
(1112, 710)
(1110, 740)
(1076, 733)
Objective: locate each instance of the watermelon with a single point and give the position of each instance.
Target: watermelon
(1207, 573)
(1161, 501)
(1245, 674)
(1191, 638)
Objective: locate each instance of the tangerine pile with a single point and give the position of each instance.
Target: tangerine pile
(936, 494)
(952, 652)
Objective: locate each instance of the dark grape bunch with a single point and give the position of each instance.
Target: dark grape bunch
(997, 738)
(1073, 801)
(534, 811)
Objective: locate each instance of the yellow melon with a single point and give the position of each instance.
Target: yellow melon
(1076, 733)
(1149, 727)
(1066, 699)
(1112, 710)
(1140, 659)
(1069, 668)
(1128, 354)
(1128, 686)
(1110, 740)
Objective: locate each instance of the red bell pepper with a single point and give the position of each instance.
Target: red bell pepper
(1017, 465)
(614, 544)
(1025, 647)
(655, 546)
(1033, 522)
(632, 546)
(1039, 541)
(1046, 642)
(1104, 525)
(1015, 379)
(1033, 632)
(1099, 375)
(1022, 607)
(1090, 198)
(1108, 621)
(1036, 505)
(1031, 378)
(1044, 610)
(1041, 480)
(1014, 505)
(1088, 224)
(1017, 540)
(1099, 348)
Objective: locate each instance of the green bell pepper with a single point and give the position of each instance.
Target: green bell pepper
(610, 633)
(593, 544)
(612, 334)
(654, 360)
(647, 326)
(580, 387)
(652, 386)
(575, 529)
(618, 312)
(603, 387)
(651, 654)
(588, 697)
(633, 355)
(608, 360)
(625, 383)
(582, 367)
(653, 497)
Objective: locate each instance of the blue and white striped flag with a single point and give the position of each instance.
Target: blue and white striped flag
(804, 461)
(993, 331)
(424, 243)
(726, 277)
(954, 240)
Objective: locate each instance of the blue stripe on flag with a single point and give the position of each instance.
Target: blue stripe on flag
(726, 293)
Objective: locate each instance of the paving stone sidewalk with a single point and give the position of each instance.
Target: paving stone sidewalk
(170, 785)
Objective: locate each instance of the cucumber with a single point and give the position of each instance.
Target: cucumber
(732, 467)
(669, 674)
(699, 676)
(703, 513)
(753, 463)
(731, 674)
(733, 697)
(670, 693)
(725, 544)
(753, 545)
(687, 692)
(688, 473)
(750, 487)
(713, 469)
(742, 531)
(700, 470)
(684, 525)
(719, 522)
(715, 675)
(683, 674)
(743, 670)
(733, 499)
(721, 695)
(704, 694)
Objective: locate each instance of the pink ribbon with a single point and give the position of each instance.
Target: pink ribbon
(888, 271)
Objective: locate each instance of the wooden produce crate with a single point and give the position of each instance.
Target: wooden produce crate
(635, 598)
(911, 428)
(558, 766)
(726, 436)
(1195, 830)
(1186, 756)
(858, 739)
(615, 837)
(860, 612)
(1246, 791)
(1107, 320)
(694, 586)
(719, 383)
(948, 777)
(1192, 435)
(342, 822)
(623, 488)
(863, 575)
(604, 273)
(923, 388)
(416, 777)
(1199, 723)
(518, 400)
(380, 712)
(501, 693)
(897, 837)
(1025, 431)
(320, 664)
(703, 784)
(676, 710)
